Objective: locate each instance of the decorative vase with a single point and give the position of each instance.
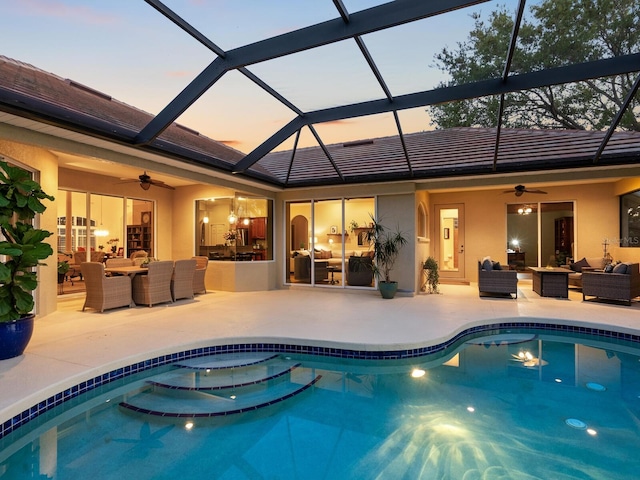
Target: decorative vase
(388, 289)
(15, 336)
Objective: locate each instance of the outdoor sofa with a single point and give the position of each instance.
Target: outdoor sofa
(623, 283)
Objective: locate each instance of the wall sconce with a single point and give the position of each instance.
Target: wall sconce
(205, 219)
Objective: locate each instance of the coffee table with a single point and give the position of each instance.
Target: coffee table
(551, 281)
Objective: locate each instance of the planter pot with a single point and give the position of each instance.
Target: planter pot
(388, 290)
(14, 336)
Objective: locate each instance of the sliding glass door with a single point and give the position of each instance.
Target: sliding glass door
(540, 234)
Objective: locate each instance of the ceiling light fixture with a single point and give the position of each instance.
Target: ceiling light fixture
(101, 232)
(525, 210)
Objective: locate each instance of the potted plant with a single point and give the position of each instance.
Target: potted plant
(63, 269)
(386, 248)
(432, 278)
(24, 248)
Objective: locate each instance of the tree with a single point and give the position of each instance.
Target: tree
(558, 32)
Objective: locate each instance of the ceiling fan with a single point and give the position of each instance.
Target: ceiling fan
(520, 189)
(146, 181)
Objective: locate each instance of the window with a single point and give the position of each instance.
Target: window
(630, 219)
(238, 228)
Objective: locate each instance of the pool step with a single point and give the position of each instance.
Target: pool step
(226, 360)
(206, 379)
(222, 385)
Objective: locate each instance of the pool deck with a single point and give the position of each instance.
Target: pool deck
(70, 346)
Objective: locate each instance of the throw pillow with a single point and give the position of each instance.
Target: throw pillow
(496, 266)
(620, 268)
(608, 268)
(577, 267)
(487, 264)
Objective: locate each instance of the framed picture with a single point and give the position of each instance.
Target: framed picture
(446, 233)
(333, 230)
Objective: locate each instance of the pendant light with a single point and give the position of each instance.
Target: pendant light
(101, 232)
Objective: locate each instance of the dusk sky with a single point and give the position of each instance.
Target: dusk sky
(128, 50)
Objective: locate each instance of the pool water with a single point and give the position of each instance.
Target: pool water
(520, 406)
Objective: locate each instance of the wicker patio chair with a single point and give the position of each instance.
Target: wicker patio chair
(105, 292)
(497, 281)
(155, 286)
(200, 274)
(119, 262)
(182, 280)
(612, 286)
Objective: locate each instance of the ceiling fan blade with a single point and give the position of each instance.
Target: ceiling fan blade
(159, 183)
(535, 191)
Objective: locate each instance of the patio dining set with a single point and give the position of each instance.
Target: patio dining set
(123, 282)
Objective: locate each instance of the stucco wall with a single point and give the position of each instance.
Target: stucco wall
(46, 167)
(595, 216)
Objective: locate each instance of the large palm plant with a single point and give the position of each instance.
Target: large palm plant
(386, 246)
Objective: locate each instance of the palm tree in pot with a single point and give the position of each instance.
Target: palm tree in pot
(386, 248)
(24, 248)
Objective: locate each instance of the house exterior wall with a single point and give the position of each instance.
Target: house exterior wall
(596, 218)
(46, 166)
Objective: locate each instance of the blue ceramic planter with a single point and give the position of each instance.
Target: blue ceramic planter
(14, 336)
(388, 290)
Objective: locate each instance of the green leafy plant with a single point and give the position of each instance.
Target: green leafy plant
(386, 246)
(63, 267)
(24, 246)
(433, 277)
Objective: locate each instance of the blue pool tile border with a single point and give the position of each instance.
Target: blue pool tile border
(53, 401)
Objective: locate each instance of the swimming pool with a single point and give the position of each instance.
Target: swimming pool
(519, 404)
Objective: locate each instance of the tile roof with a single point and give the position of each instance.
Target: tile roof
(30, 92)
(452, 152)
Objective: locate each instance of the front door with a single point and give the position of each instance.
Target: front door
(450, 241)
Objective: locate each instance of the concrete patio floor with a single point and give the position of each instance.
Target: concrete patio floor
(71, 346)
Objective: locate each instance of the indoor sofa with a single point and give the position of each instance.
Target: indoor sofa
(623, 283)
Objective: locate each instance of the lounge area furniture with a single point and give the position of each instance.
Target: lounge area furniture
(616, 285)
(302, 269)
(182, 279)
(155, 286)
(200, 274)
(118, 262)
(550, 281)
(583, 265)
(105, 292)
(493, 279)
(360, 271)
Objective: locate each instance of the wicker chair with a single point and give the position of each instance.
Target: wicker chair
(105, 292)
(119, 262)
(182, 279)
(155, 286)
(497, 281)
(612, 286)
(200, 274)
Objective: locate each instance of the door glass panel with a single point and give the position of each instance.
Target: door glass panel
(522, 235)
(449, 240)
(298, 235)
(328, 239)
(556, 233)
(140, 222)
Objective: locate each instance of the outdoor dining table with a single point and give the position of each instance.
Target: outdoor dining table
(131, 271)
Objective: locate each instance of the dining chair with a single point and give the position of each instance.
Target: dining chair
(154, 286)
(200, 274)
(105, 292)
(182, 280)
(119, 262)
